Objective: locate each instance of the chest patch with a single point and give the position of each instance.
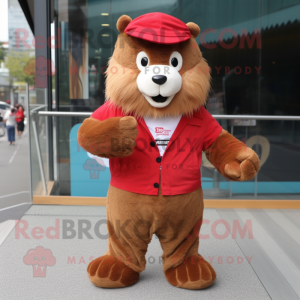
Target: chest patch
(162, 130)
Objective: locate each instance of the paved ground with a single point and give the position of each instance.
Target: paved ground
(274, 246)
(15, 172)
(66, 277)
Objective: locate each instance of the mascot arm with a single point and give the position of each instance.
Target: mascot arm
(232, 158)
(113, 137)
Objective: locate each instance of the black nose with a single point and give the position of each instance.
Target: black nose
(159, 79)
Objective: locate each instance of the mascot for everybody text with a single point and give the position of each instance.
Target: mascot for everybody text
(153, 128)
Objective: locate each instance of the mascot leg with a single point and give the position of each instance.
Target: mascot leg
(179, 238)
(129, 226)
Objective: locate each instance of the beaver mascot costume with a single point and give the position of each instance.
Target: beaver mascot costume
(153, 128)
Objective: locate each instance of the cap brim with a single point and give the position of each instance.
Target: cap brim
(159, 39)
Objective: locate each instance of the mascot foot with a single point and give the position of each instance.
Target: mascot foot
(194, 273)
(109, 272)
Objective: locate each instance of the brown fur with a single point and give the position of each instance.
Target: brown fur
(160, 216)
(122, 23)
(176, 220)
(114, 137)
(178, 235)
(99, 271)
(194, 29)
(194, 273)
(122, 72)
(232, 158)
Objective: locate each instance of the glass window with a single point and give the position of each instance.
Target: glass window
(252, 48)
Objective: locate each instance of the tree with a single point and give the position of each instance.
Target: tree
(17, 63)
(2, 52)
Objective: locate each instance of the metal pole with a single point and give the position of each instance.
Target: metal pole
(218, 117)
(255, 178)
(39, 156)
(230, 191)
(28, 116)
(49, 94)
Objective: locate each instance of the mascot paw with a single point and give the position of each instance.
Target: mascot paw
(129, 132)
(128, 123)
(195, 273)
(246, 167)
(109, 272)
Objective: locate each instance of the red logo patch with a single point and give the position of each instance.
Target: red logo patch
(162, 131)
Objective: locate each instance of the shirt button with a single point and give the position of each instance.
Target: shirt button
(158, 159)
(156, 185)
(152, 144)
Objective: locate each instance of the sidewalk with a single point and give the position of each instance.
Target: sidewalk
(15, 171)
(67, 277)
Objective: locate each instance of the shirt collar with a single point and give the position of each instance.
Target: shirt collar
(195, 120)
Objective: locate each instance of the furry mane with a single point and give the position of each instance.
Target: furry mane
(122, 90)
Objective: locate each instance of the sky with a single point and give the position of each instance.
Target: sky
(3, 21)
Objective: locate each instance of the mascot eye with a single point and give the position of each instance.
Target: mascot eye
(142, 60)
(176, 60)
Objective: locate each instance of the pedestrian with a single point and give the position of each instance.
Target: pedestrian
(20, 121)
(10, 120)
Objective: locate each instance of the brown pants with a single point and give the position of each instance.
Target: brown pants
(133, 218)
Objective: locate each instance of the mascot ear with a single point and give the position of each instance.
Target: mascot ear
(122, 23)
(194, 29)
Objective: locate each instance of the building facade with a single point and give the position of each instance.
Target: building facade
(18, 28)
(252, 49)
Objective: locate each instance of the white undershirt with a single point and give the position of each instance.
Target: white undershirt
(162, 129)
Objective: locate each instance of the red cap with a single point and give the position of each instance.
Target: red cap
(158, 28)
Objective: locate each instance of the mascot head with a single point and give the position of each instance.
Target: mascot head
(157, 68)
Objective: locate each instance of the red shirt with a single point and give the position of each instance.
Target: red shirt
(19, 116)
(180, 164)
